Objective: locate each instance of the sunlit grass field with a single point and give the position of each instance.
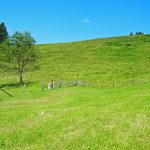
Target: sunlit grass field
(81, 118)
(78, 118)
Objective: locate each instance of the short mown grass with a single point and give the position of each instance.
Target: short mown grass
(78, 118)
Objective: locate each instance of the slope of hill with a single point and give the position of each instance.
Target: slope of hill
(118, 58)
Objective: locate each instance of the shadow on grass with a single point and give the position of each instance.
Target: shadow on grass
(14, 84)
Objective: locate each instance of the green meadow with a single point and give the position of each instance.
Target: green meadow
(78, 118)
(81, 118)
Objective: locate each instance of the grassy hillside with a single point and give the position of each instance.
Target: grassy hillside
(78, 119)
(83, 118)
(118, 58)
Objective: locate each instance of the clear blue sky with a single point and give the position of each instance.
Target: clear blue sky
(52, 21)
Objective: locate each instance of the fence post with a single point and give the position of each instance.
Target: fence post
(59, 84)
(98, 84)
(113, 84)
(68, 84)
(83, 82)
(22, 88)
(42, 86)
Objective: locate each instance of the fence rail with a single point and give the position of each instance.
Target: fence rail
(96, 83)
(41, 87)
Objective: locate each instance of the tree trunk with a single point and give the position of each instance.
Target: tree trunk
(21, 81)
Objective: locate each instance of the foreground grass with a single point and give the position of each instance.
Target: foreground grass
(78, 118)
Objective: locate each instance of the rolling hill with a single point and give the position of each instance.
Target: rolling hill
(117, 58)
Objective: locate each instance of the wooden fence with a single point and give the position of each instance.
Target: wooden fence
(94, 83)
(42, 86)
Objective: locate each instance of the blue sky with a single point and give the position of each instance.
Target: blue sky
(53, 21)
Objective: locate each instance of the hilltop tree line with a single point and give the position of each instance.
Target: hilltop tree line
(18, 53)
(136, 33)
